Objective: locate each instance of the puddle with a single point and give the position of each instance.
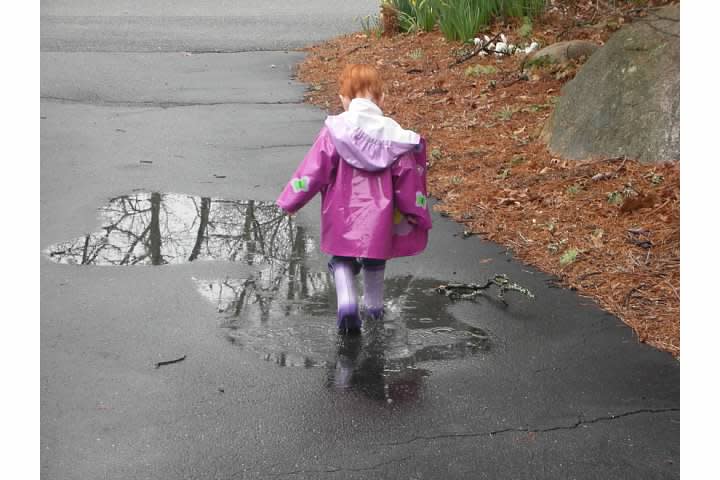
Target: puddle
(283, 307)
(158, 229)
(290, 321)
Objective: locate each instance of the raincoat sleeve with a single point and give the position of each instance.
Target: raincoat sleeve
(314, 173)
(410, 187)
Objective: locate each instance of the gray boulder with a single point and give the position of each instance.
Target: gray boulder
(561, 52)
(625, 100)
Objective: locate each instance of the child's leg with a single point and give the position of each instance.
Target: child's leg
(344, 270)
(373, 283)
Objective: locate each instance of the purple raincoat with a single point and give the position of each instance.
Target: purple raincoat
(371, 174)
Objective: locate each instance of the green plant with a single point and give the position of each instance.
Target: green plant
(518, 8)
(477, 70)
(504, 174)
(416, 54)
(573, 189)
(536, 107)
(615, 198)
(425, 15)
(436, 154)
(526, 28)
(415, 15)
(403, 7)
(517, 160)
(371, 25)
(462, 19)
(569, 256)
(506, 113)
(540, 62)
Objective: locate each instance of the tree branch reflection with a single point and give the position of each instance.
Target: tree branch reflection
(156, 229)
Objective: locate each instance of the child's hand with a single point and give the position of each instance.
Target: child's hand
(412, 220)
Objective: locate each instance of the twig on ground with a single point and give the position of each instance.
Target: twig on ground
(353, 50)
(482, 47)
(472, 290)
(629, 294)
(170, 362)
(586, 275)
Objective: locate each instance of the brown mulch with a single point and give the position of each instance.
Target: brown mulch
(609, 228)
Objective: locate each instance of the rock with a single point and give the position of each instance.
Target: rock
(561, 52)
(625, 100)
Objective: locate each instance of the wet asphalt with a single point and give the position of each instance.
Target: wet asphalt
(158, 118)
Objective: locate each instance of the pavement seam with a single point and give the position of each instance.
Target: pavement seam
(269, 50)
(163, 105)
(192, 52)
(580, 422)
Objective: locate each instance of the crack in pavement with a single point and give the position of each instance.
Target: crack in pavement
(163, 105)
(573, 426)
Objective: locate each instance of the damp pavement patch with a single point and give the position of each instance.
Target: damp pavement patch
(283, 310)
(469, 375)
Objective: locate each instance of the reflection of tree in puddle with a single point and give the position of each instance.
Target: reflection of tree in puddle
(285, 281)
(381, 363)
(279, 288)
(280, 309)
(156, 229)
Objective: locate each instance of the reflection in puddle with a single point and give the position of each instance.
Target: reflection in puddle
(157, 229)
(361, 365)
(294, 326)
(280, 308)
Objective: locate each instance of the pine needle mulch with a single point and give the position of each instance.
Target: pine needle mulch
(608, 228)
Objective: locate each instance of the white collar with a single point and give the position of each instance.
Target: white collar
(364, 114)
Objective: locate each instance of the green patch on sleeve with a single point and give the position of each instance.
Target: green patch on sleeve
(420, 200)
(300, 184)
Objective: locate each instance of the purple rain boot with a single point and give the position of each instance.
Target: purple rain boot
(374, 283)
(348, 316)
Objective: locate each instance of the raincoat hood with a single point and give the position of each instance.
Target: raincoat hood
(368, 140)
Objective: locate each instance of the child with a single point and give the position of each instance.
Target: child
(371, 174)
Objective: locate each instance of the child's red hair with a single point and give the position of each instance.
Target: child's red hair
(360, 79)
